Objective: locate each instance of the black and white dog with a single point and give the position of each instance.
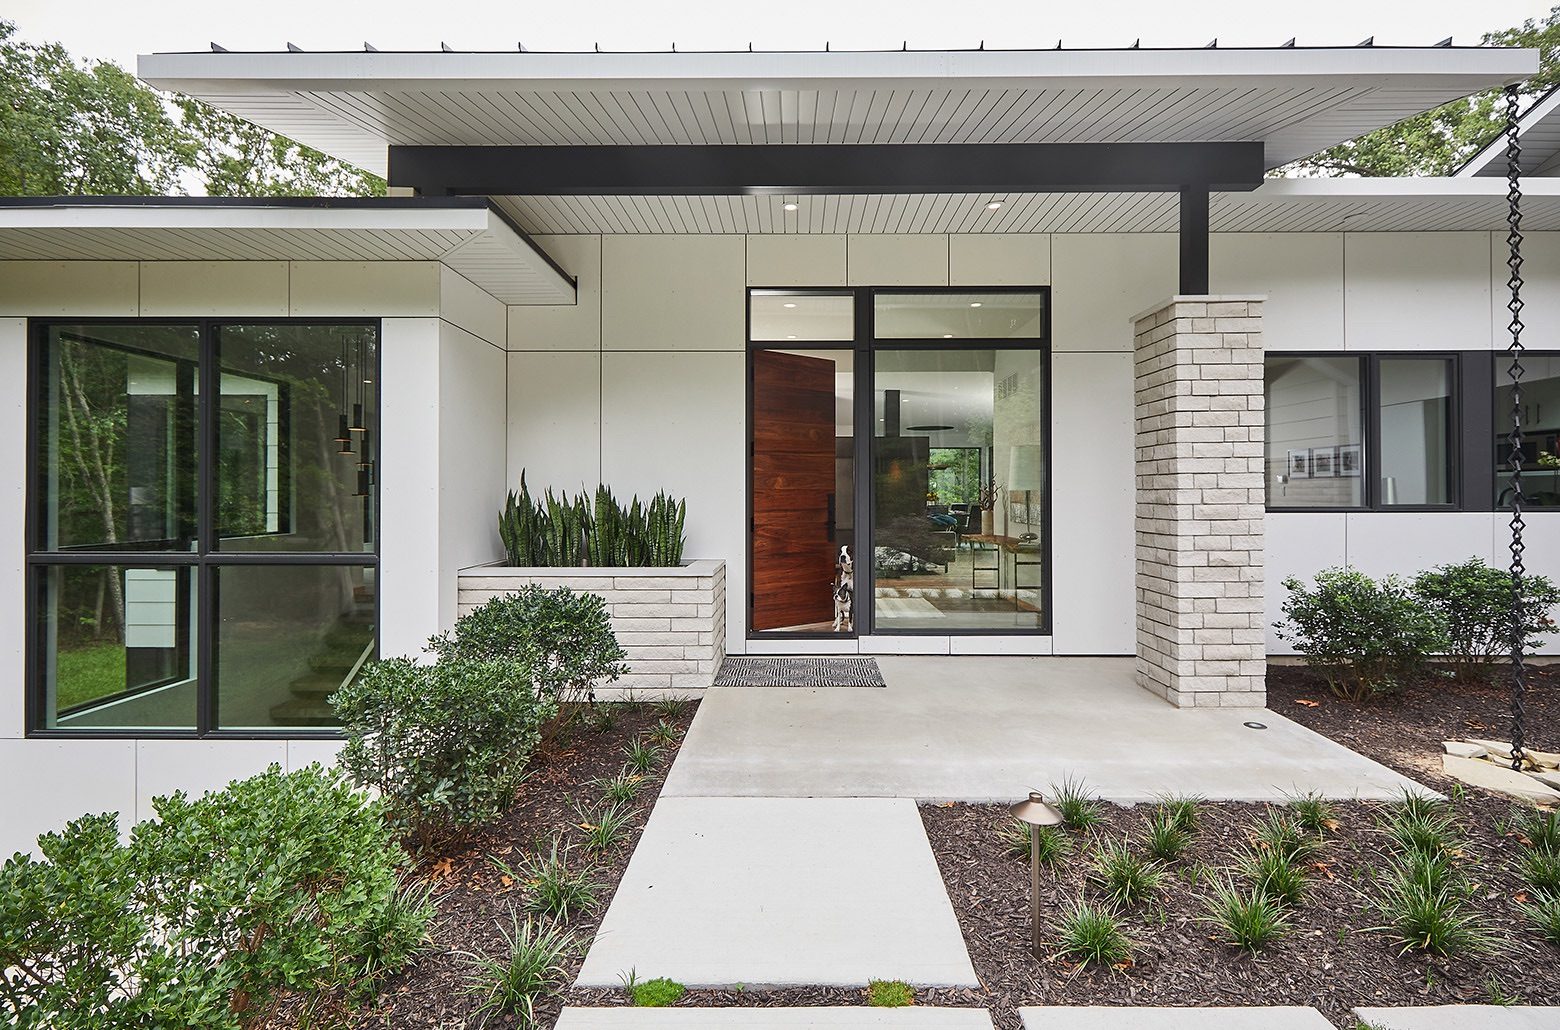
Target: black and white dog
(844, 591)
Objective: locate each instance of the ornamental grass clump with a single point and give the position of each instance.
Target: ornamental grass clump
(1275, 875)
(1166, 837)
(1055, 845)
(1544, 914)
(623, 787)
(531, 967)
(1313, 813)
(1080, 810)
(1092, 935)
(1422, 825)
(1180, 809)
(1124, 877)
(1366, 637)
(1249, 919)
(1279, 832)
(554, 885)
(1434, 920)
(642, 755)
(604, 826)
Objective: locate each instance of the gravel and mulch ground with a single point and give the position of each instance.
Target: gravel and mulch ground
(1405, 730)
(475, 897)
(1331, 958)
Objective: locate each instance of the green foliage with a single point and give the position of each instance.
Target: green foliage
(672, 706)
(560, 532)
(1250, 920)
(560, 639)
(656, 993)
(1539, 831)
(445, 745)
(1166, 837)
(1439, 141)
(1091, 934)
(1541, 870)
(1313, 813)
(1080, 810)
(532, 967)
(1544, 914)
(888, 994)
(1472, 603)
(1280, 832)
(1273, 874)
(1421, 825)
(605, 826)
(1367, 638)
(621, 788)
(556, 887)
(281, 883)
(1123, 876)
(71, 128)
(1054, 844)
(664, 732)
(1181, 809)
(1433, 919)
(642, 756)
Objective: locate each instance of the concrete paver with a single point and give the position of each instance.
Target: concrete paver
(1461, 1017)
(982, 729)
(1080, 1017)
(781, 891)
(824, 1018)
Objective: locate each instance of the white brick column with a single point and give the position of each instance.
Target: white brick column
(1199, 419)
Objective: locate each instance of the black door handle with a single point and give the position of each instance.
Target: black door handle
(831, 518)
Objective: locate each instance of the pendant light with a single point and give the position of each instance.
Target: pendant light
(357, 405)
(342, 435)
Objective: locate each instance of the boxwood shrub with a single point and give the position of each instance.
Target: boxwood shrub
(1366, 637)
(284, 884)
(1472, 603)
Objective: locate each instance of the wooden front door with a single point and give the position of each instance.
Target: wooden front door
(793, 485)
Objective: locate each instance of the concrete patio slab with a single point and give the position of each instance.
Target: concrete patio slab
(1079, 1017)
(1461, 1017)
(779, 892)
(915, 1018)
(982, 729)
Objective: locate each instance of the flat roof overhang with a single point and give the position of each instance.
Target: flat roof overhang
(467, 234)
(1294, 101)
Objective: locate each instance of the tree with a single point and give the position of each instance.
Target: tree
(70, 128)
(1439, 141)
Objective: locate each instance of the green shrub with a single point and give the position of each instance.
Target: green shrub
(889, 994)
(1280, 832)
(284, 882)
(1054, 844)
(554, 885)
(1166, 837)
(1092, 935)
(1124, 877)
(1541, 869)
(562, 640)
(1080, 810)
(1538, 831)
(1367, 638)
(562, 531)
(1249, 920)
(1273, 874)
(445, 745)
(616, 790)
(1472, 601)
(1313, 813)
(654, 993)
(1545, 915)
(642, 756)
(532, 967)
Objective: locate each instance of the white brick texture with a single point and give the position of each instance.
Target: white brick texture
(672, 622)
(1199, 430)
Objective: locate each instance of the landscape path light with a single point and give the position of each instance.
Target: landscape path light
(1035, 813)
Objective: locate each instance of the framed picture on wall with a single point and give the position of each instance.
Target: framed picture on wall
(1324, 462)
(1300, 464)
(1349, 461)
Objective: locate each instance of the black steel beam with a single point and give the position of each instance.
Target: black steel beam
(1194, 241)
(827, 168)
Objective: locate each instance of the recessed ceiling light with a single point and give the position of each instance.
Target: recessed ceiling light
(790, 206)
(994, 205)
(791, 336)
(789, 304)
(947, 336)
(974, 303)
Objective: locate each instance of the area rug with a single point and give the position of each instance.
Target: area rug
(907, 608)
(742, 671)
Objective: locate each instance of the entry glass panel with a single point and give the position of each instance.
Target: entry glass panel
(118, 646)
(948, 423)
(287, 637)
(117, 430)
(958, 316)
(779, 316)
(1540, 428)
(1416, 431)
(298, 438)
(803, 488)
(1316, 453)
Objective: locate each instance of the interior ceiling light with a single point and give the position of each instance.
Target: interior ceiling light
(947, 336)
(789, 304)
(974, 303)
(995, 205)
(790, 205)
(791, 336)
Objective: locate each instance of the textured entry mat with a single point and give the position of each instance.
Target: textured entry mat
(799, 672)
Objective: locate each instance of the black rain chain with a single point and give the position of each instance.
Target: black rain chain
(1514, 305)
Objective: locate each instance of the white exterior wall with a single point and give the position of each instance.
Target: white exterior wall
(443, 400)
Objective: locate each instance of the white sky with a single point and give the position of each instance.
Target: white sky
(120, 29)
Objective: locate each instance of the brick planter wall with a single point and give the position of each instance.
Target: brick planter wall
(672, 622)
(1200, 501)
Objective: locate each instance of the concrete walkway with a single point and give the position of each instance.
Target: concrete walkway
(781, 892)
(983, 729)
(1076, 1017)
(831, 1018)
(1462, 1017)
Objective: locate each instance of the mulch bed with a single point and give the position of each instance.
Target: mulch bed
(472, 898)
(1405, 730)
(1330, 959)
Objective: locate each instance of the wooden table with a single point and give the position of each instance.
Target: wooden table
(1013, 545)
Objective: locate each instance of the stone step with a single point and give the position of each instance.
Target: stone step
(827, 1017)
(317, 685)
(303, 712)
(1461, 1017)
(1146, 1017)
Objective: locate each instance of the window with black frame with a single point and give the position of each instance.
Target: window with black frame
(203, 541)
(1540, 428)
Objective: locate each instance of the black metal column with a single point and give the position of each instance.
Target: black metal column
(1194, 241)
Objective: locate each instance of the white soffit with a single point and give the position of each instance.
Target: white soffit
(1278, 205)
(466, 235)
(1539, 132)
(1298, 100)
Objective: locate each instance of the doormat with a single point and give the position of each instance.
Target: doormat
(799, 672)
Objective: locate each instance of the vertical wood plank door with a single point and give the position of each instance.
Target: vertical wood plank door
(793, 491)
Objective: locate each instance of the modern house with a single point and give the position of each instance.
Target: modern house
(1032, 333)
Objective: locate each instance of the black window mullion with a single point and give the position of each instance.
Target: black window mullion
(1476, 432)
(865, 429)
(205, 520)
